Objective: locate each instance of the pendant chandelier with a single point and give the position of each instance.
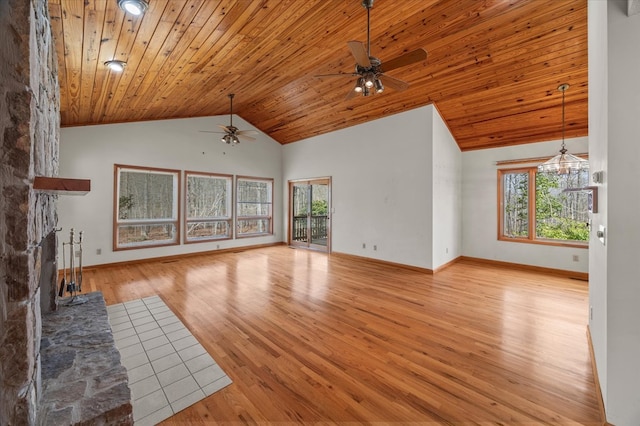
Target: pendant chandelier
(563, 163)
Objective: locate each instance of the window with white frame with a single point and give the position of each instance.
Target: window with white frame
(254, 206)
(208, 207)
(146, 208)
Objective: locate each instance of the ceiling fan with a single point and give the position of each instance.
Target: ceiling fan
(232, 134)
(370, 70)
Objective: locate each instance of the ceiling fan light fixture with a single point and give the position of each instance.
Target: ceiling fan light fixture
(369, 82)
(115, 65)
(563, 163)
(366, 91)
(230, 139)
(134, 7)
(379, 86)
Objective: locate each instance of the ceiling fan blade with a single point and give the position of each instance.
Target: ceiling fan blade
(243, 137)
(404, 60)
(210, 131)
(394, 83)
(246, 132)
(225, 128)
(336, 75)
(360, 53)
(352, 94)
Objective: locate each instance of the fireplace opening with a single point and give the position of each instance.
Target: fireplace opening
(48, 274)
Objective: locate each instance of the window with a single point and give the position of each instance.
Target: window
(146, 207)
(534, 208)
(254, 206)
(208, 207)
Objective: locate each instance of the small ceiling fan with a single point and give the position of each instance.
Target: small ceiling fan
(231, 133)
(370, 70)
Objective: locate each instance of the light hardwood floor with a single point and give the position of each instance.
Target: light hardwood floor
(312, 338)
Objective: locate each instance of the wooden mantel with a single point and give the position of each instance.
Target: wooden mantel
(57, 185)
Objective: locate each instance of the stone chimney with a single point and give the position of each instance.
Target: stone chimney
(29, 138)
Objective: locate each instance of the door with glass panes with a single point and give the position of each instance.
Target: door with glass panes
(309, 214)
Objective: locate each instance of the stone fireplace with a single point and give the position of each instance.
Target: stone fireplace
(29, 128)
(29, 141)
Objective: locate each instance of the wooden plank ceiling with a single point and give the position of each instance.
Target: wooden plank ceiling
(492, 70)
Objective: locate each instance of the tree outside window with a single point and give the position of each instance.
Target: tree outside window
(208, 207)
(146, 207)
(254, 206)
(535, 208)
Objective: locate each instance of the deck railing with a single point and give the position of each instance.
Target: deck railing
(318, 228)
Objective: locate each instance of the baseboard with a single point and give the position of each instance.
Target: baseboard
(381, 262)
(584, 276)
(596, 379)
(446, 265)
(174, 257)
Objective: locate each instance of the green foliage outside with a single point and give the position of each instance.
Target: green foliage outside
(559, 215)
(566, 229)
(319, 208)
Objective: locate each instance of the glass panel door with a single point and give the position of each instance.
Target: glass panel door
(310, 218)
(300, 216)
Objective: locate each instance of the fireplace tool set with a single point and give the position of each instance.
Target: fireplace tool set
(73, 282)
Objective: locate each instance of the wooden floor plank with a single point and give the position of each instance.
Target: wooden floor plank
(308, 337)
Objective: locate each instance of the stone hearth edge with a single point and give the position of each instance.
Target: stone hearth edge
(83, 379)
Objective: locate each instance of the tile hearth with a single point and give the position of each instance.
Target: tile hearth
(168, 368)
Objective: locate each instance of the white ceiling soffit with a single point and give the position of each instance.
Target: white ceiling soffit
(633, 7)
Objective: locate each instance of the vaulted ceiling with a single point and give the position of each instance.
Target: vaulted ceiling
(492, 70)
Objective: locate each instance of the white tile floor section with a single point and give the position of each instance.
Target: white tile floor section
(168, 368)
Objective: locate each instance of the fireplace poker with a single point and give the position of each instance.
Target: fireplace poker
(73, 286)
(64, 274)
(72, 272)
(79, 277)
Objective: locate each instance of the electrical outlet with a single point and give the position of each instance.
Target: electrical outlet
(217, 246)
(446, 250)
(375, 247)
(591, 313)
(98, 251)
(576, 258)
(364, 246)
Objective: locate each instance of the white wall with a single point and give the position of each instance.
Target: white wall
(480, 209)
(447, 194)
(623, 252)
(399, 183)
(381, 185)
(598, 146)
(90, 152)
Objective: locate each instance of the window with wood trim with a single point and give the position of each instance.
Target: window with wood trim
(533, 207)
(208, 204)
(254, 206)
(146, 207)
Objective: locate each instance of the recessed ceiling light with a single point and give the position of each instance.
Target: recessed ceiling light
(134, 7)
(116, 65)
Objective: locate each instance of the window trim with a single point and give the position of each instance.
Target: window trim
(531, 230)
(239, 218)
(230, 218)
(175, 221)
